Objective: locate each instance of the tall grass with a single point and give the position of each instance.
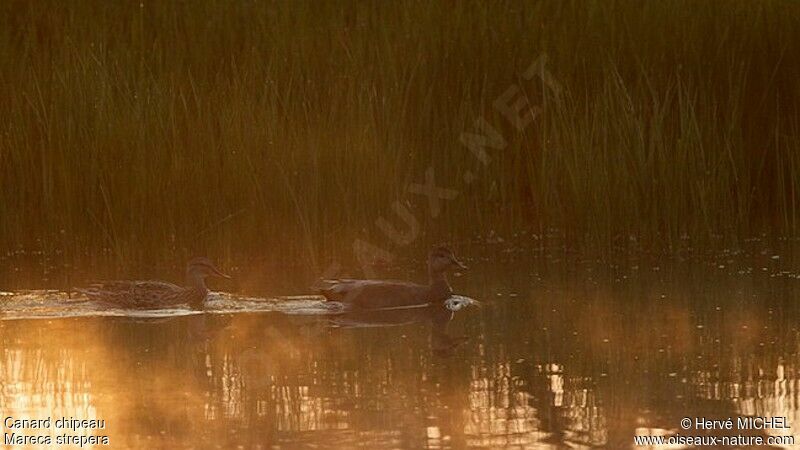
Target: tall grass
(148, 129)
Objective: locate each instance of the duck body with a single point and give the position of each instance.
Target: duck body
(383, 293)
(156, 294)
(143, 294)
(372, 294)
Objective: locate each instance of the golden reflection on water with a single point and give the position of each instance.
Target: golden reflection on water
(43, 375)
(588, 363)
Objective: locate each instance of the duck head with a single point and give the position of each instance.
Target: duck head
(442, 259)
(198, 269)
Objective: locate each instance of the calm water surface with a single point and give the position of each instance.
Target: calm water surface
(564, 352)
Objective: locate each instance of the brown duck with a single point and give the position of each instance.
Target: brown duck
(157, 294)
(391, 293)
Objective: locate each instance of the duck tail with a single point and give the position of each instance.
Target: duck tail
(322, 286)
(329, 288)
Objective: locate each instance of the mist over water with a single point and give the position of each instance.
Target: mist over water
(565, 349)
(620, 177)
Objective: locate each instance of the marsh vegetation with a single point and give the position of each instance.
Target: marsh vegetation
(634, 244)
(138, 131)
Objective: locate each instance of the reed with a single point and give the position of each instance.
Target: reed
(140, 130)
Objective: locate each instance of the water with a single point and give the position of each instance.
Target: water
(564, 351)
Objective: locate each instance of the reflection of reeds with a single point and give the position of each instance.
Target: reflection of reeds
(159, 126)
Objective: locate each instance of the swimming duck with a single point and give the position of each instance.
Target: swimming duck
(391, 293)
(157, 294)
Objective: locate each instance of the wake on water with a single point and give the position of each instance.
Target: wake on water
(51, 304)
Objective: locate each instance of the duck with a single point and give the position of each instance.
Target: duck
(157, 294)
(372, 294)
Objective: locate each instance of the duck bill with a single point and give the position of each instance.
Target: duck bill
(220, 274)
(458, 264)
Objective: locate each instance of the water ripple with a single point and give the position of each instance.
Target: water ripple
(50, 304)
